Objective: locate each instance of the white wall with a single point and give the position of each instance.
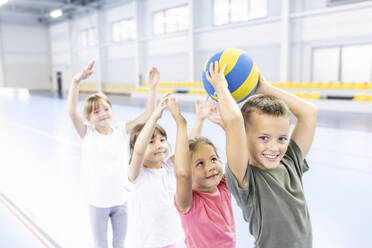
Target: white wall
(346, 27)
(25, 56)
(171, 52)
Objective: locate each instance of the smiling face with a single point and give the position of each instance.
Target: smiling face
(157, 150)
(101, 114)
(206, 168)
(267, 139)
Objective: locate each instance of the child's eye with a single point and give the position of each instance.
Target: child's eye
(96, 111)
(214, 160)
(151, 142)
(106, 109)
(282, 139)
(162, 140)
(264, 138)
(200, 164)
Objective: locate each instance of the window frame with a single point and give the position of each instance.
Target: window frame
(85, 32)
(331, 3)
(341, 48)
(129, 19)
(164, 11)
(249, 18)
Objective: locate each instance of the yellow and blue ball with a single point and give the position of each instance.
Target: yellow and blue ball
(241, 73)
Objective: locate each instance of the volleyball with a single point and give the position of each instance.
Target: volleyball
(241, 73)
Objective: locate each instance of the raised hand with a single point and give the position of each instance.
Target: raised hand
(203, 109)
(84, 74)
(214, 116)
(174, 109)
(161, 106)
(216, 76)
(262, 85)
(154, 76)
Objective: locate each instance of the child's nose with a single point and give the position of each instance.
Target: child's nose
(158, 143)
(211, 166)
(273, 146)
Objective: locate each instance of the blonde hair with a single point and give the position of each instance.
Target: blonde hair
(195, 142)
(264, 104)
(92, 103)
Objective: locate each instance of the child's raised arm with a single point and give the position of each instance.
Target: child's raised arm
(154, 76)
(305, 112)
(73, 96)
(206, 109)
(236, 143)
(182, 160)
(143, 140)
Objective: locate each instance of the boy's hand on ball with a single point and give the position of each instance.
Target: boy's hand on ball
(216, 76)
(262, 83)
(84, 74)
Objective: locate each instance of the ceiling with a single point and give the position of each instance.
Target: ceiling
(40, 9)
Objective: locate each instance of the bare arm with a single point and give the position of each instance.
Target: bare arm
(154, 76)
(73, 96)
(182, 160)
(144, 139)
(305, 112)
(236, 143)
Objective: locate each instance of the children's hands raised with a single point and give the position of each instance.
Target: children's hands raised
(214, 116)
(154, 76)
(174, 109)
(216, 76)
(161, 106)
(203, 109)
(84, 74)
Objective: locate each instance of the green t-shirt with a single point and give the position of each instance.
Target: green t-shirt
(274, 203)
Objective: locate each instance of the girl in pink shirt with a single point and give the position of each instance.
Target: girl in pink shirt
(202, 198)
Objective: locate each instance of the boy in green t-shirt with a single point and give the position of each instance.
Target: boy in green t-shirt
(265, 165)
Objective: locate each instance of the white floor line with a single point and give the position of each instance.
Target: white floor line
(45, 134)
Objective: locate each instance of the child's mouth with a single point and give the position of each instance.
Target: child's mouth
(213, 176)
(271, 157)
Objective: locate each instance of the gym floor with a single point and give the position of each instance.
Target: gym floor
(39, 172)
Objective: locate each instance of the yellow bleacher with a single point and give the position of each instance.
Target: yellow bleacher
(363, 97)
(307, 95)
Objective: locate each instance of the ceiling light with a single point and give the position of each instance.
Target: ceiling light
(55, 13)
(2, 2)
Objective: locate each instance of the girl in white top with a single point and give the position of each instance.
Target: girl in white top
(105, 157)
(157, 222)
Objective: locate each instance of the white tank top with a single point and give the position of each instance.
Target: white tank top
(105, 166)
(154, 219)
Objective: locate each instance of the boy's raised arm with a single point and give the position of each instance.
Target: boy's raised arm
(236, 143)
(73, 97)
(182, 160)
(305, 112)
(154, 76)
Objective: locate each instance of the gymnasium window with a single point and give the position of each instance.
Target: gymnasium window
(123, 30)
(171, 20)
(340, 2)
(230, 11)
(88, 37)
(339, 63)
